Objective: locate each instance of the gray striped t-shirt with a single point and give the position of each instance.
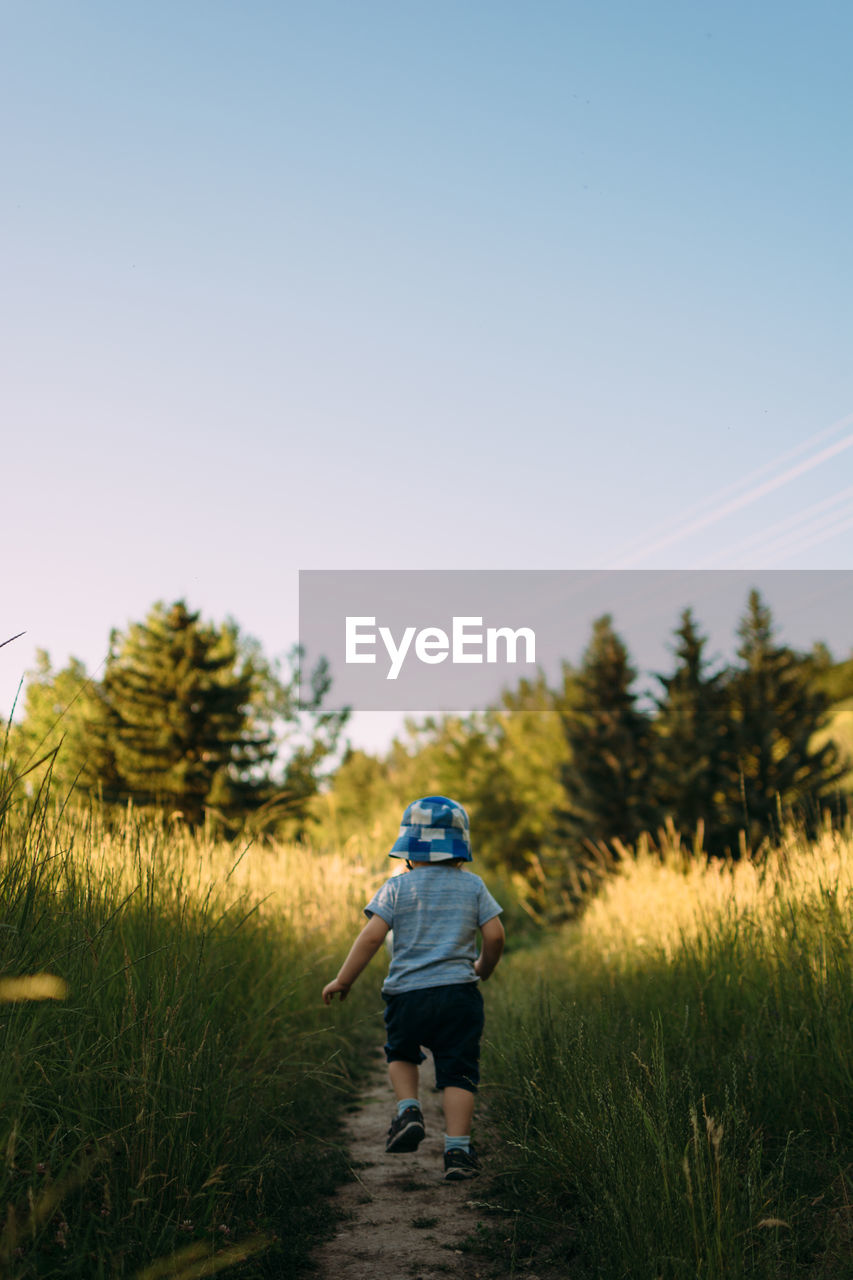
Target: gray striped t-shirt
(435, 912)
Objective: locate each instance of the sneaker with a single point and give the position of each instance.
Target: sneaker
(407, 1131)
(459, 1164)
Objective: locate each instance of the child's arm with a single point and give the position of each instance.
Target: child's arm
(361, 953)
(492, 948)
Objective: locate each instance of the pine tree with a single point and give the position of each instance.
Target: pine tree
(774, 710)
(690, 741)
(608, 776)
(60, 709)
(176, 713)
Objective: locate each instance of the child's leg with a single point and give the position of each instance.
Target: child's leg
(404, 1079)
(458, 1111)
(402, 1048)
(407, 1128)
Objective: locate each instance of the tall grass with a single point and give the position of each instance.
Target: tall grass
(673, 1075)
(178, 1100)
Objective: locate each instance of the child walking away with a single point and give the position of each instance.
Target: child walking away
(432, 991)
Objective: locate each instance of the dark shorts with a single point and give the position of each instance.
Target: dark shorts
(446, 1020)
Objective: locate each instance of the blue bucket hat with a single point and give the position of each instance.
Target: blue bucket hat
(434, 829)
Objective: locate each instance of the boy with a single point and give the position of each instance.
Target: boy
(432, 993)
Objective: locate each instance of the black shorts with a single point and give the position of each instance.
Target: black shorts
(448, 1021)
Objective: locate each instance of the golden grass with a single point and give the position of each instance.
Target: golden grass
(670, 1073)
(656, 901)
(311, 889)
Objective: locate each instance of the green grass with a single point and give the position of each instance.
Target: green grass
(677, 1103)
(182, 1098)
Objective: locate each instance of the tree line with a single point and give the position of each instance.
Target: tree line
(192, 717)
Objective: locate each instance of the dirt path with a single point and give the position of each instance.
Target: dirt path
(406, 1223)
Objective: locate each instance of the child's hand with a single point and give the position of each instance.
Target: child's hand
(362, 950)
(336, 987)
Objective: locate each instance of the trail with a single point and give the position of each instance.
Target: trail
(406, 1223)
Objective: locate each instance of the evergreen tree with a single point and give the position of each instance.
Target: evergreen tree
(59, 711)
(187, 715)
(774, 711)
(691, 741)
(608, 776)
(176, 714)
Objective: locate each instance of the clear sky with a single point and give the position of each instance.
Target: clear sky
(422, 285)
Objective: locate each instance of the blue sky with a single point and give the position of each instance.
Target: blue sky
(414, 286)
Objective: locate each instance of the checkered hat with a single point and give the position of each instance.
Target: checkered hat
(434, 829)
